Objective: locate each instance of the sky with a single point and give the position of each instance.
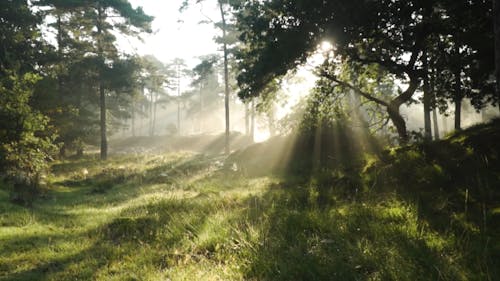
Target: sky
(176, 34)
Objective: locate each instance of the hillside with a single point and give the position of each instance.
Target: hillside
(423, 212)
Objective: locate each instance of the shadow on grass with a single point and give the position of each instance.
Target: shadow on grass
(304, 239)
(157, 228)
(422, 212)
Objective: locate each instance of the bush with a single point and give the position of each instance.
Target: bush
(25, 147)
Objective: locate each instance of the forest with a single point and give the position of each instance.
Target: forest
(250, 140)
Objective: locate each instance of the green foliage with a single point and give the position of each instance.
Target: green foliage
(25, 142)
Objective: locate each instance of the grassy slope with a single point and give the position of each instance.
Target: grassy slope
(179, 217)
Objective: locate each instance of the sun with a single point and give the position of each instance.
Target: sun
(326, 46)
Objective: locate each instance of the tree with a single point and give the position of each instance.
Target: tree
(207, 86)
(179, 66)
(225, 41)
(461, 54)
(496, 19)
(278, 35)
(156, 77)
(126, 21)
(382, 33)
(25, 137)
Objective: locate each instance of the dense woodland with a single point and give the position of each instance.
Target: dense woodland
(112, 167)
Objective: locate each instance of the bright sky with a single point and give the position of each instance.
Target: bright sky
(177, 35)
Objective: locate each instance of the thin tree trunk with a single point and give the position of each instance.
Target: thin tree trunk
(252, 119)
(247, 118)
(151, 113)
(154, 118)
(62, 151)
(458, 100)
(102, 94)
(104, 139)
(458, 96)
(201, 107)
(226, 78)
(427, 102)
(436, 125)
(178, 117)
(133, 118)
(458, 113)
(178, 99)
(496, 23)
(432, 84)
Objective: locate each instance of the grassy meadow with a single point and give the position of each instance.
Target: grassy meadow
(187, 216)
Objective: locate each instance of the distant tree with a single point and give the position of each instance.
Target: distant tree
(226, 41)
(179, 67)
(156, 77)
(207, 88)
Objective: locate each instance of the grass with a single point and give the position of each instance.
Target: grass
(182, 216)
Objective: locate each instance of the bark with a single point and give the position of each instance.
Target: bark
(458, 100)
(178, 100)
(226, 78)
(436, 125)
(153, 129)
(151, 114)
(252, 119)
(201, 108)
(427, 102)
(496, 23)
(399, 122)
(133, 119)
(458, 113)
(247, 119)
(102, 94)
(104, 139)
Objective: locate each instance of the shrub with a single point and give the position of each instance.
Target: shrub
(25, 147)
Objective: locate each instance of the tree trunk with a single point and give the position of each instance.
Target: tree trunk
(458, 113)
(151, 113)
(201, 108)
(252, 119)
(178, 99)
(496, 23)
(104, 139)
(458, 96)
(427, 102)
(436, 125)
(399, 123)
(179, 116)
(226, 77)
(102, 94)
(247, 118)
(133, 119)
(153, 129)
(458, 100)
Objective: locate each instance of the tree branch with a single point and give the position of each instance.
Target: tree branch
(355, 89)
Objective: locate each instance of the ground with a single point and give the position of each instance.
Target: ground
(186, 216)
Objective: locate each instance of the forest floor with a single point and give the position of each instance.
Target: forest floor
(185, 216)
